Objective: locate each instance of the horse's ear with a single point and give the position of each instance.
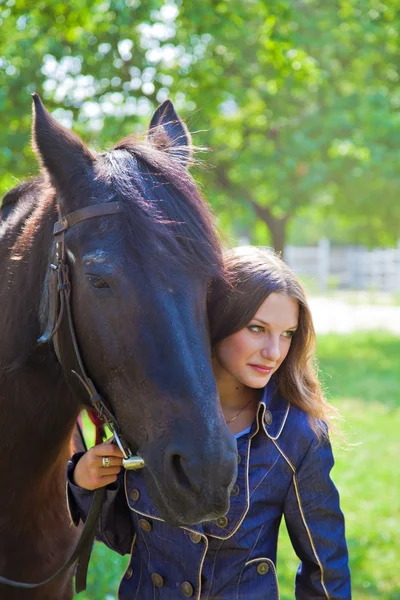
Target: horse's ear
(60, 151)
(167, 132)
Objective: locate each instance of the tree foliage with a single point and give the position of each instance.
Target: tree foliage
(298, 99)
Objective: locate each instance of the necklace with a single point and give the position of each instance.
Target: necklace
(240, 412)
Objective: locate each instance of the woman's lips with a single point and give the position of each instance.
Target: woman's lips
(262, 369)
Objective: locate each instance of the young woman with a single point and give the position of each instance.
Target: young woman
(263, 343)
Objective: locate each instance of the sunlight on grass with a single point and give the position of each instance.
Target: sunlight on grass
(362, 378)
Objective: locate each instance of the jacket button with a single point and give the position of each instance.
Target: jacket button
(263, 568)
(195, 537)
(187, 589)
(135, 495)
(238, 459)
(145, 525)
(221, 522)
(157, 580)
(267, 417)
(128, 573)
(235, 490)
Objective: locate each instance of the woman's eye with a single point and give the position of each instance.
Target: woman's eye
(255, 328)
(288, 334)
(97, 282)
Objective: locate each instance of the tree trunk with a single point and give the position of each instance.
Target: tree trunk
(277, 226)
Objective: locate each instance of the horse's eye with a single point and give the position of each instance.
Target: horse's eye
(97, 282)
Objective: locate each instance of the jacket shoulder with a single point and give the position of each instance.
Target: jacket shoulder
(293, 426)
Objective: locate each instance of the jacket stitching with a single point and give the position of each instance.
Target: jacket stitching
(218, 537)
(201, 567)
(244, 566)
(271, 562)
(284, 455)
(129, 562)
(282, 426)
(257, 420)
(160, 537)
(149, 561)
(140, 579)
(138, 512)
(310, 537)
(213, 569)
(269, 470)
(135, 510)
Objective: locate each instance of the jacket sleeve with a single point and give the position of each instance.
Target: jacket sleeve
(316, 528)
(115, 527)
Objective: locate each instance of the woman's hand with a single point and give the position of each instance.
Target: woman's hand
(90, 472)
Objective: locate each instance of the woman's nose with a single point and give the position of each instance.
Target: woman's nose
(271, 351)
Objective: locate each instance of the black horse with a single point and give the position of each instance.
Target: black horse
(139, 282)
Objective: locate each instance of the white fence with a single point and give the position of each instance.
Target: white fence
(347, 267)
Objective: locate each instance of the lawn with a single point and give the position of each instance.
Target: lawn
(361, 376)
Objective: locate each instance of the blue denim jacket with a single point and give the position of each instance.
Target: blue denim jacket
(283, 470)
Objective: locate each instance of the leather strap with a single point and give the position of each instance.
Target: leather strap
(89, 212)
(53, 299)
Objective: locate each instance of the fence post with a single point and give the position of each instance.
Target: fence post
(323, 263)
(397, 284)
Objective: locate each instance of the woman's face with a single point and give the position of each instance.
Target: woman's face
(255, 352)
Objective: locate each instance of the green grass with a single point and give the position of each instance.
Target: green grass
(361, 375)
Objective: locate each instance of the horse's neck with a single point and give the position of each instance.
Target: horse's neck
(37, 409)
(36, 534)
(38, 415)
(32, 491)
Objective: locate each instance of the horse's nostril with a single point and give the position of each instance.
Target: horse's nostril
(178, 466)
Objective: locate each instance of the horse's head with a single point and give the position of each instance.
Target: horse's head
(139, 282)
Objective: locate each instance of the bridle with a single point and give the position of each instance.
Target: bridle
(59, 292)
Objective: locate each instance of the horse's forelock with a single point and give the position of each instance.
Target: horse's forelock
(163, 207)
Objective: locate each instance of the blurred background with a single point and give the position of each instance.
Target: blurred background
(299, 104)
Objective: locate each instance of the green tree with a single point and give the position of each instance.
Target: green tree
(305, 111)
(297, 98)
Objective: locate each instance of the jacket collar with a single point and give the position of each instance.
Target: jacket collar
(272, 412)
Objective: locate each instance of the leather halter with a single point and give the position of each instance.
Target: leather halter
(59, 289)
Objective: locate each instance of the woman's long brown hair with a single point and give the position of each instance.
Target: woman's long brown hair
(253, 274)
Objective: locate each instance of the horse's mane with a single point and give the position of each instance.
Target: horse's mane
(13, 195)
(25, 239)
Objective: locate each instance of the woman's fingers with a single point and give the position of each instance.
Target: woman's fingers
(107, 449)
(108, 480)
(107, 464)
(109, 471)
(98, 467)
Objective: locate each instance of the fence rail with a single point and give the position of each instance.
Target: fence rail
(347, 267)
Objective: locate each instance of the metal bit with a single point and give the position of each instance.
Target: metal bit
(133, 463)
